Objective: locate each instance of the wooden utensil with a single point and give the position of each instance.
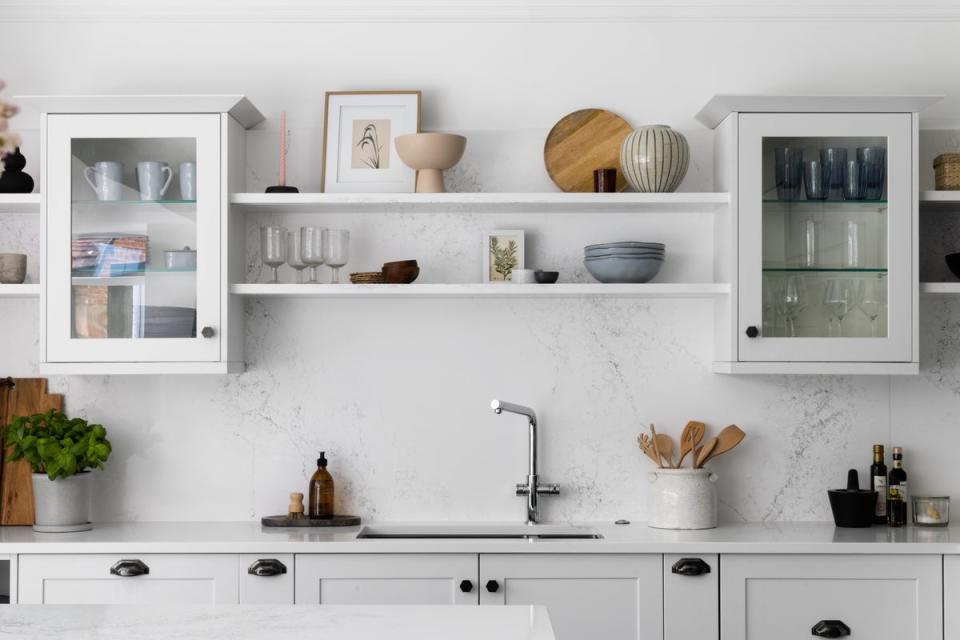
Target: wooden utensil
(647, 447)
(28, 396)
(703, 453)
(690, 438)
(656, 448)
(665, 445)
(581, 142)
(729, 437)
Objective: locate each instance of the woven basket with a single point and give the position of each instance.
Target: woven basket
(946, 169)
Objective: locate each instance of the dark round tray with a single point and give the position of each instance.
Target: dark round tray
(286, 521)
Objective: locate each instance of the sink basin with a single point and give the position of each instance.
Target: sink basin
(483, 531)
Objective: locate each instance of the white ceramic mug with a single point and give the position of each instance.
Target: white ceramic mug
(106, 179)
(188, 180)
(523, 276)
(150, 178)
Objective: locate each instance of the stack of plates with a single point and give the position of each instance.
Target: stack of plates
(624, 262)
(367, 277)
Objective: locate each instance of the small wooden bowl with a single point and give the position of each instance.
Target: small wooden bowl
(400, 273)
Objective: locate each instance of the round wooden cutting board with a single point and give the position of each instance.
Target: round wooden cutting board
(581, 142)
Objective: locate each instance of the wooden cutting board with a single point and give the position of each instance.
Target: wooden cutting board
(581, 142)
(28, 396)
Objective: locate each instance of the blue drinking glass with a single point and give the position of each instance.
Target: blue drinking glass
(788, 172)
(834, 160)
(873, 165)
(813, 180)
(854, 186)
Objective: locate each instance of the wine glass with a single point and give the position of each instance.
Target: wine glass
(872, 298)
(839, 300)
(336, 249)
(273, 248)
(295, 254)
(772, 292)
(793, 301)
(311, 249)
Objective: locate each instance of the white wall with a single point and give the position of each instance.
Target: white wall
(397, 392)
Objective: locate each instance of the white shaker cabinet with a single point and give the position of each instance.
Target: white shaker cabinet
(951, 597)
(373, 578)
(128, 579)
(691, 596)
(614, 597)
(876, 597)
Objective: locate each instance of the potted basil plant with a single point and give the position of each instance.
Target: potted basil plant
(61, 451)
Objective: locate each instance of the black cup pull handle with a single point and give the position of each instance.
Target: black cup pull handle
(752, 332)
(207, 332)
(466, 586)
(493, 586)
(267, 567)
(830, 629)
(129, 568)
(691, 567)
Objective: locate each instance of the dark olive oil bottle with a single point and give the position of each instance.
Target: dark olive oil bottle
(321, 490)
(897, 492)
(878, 483)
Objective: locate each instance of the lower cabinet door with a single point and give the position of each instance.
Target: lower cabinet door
(385, 578)
(128, 579)
(876, 597)
(951, 597)
(613, 597)
(691, 596)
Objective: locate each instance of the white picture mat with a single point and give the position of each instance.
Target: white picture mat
(517, 234)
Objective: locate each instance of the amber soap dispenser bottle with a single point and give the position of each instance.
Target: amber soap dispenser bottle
(321, 490)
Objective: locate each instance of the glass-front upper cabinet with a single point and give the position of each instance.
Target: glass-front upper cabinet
(133, 237)
(826, 260)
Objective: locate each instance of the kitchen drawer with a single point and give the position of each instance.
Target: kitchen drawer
(691, 596)
(266, 579)
(877, 597)
(88, 579)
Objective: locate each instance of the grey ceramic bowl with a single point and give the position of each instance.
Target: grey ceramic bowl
(626, 245)
(619, 269)
(598, 253)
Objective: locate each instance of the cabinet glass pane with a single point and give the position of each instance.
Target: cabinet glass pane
(134, 231)
(825, 237)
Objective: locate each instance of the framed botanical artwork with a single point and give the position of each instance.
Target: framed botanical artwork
(359, 128)
(502, 253)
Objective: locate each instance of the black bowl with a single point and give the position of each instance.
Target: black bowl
(953, 261)
(546, 277)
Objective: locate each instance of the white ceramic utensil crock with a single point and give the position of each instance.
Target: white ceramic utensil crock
(682, 499)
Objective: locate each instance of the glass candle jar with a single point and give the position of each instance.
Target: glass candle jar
(931, 512)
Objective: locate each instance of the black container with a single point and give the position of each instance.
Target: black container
(953, 262)
(546, 277)
(853, 506)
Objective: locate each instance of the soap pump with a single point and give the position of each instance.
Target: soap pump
(321, 490)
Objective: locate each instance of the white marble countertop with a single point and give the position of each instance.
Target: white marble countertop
(251, 537)
(266, 622)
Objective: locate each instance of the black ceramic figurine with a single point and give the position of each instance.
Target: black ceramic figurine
(13, 179)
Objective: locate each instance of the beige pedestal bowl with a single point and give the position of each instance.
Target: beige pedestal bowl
(430, 154)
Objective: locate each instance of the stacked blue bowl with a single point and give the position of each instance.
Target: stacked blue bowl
(624, 262)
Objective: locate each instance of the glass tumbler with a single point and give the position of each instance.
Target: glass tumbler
(788, 167)
(873, 164)
(834, 160)
(813, 180)
(853, 187)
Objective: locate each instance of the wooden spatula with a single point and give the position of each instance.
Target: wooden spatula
(665, 445)
(727, 439)
(646, 445)
(689, 439)
(703, 453)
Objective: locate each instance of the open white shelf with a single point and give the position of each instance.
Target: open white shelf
(19, 203)
(480, 202)
(562, 290)
(19, 291)
(940, 287)
(940, 200)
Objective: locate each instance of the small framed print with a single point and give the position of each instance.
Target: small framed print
(502, 253)
(359, 127)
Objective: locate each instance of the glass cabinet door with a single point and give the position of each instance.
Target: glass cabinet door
(826, 237)
(133, 242)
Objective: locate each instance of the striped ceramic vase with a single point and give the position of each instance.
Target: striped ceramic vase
(654, 158)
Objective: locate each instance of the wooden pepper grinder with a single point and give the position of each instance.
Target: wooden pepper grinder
(295, 510)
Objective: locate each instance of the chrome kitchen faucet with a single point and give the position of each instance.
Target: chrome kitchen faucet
(532, 489)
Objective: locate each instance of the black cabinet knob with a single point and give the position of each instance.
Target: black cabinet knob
(466, 586)
(691, 567)
(830, 629)
(752, 332)
(207, 332)
(129, 568)
(493, 586)
(267, 567)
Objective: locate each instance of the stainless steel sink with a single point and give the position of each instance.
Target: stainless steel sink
(480, 531)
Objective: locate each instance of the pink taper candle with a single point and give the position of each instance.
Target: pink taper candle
(282, 178)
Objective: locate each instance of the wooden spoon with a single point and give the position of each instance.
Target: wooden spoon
(727, 439)
(643, 440)
(689, 439)
(703, 453)
(665, 445)
(656, 446)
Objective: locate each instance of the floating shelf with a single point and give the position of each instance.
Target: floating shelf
(19, 203)
(940, 287)
(572, 290)
(480, 202)
(19, 291)
(940, 200)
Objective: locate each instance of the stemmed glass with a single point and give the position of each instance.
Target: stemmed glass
(295, 254)
(873, 297)
(772, 295)
(273, 248)
(839, 301)
(336, 249)
(793, 301)
(311, 249)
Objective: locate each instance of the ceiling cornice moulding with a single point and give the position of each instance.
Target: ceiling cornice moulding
(532, 11)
